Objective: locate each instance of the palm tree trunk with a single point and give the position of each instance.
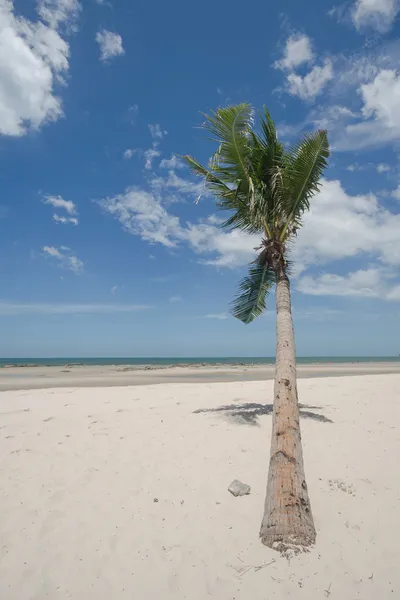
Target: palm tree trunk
(287, 520)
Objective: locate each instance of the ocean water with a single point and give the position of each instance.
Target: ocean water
(227, 360)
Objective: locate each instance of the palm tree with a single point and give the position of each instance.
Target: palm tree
(267, 188)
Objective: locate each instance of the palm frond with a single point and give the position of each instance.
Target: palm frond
(230, 127)
(213, 183)
(253, 290)
(302, 170)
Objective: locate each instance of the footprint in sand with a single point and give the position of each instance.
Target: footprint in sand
(338, 484)
(48, 419)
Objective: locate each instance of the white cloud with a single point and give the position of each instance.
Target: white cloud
(312, 84)
(227, 249)
(341, 226)
(15, 308)
(142, 214)
(366, 283)
(157, 132)
(175, 299)
(338, 226)
(394, 293)
(129, 152)
(297, 51)
(33, 56)
(219, 316)
(110, 44)
(172, 163)
(59, 12)
(375, 14)
(59, 202)
(381, 122)
(396, 193)
(380, 168)
(66, 259)
(65, 220)
(182, 186)
(150, 155)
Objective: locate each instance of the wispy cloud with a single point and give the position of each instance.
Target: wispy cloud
(157, 132)
(149, 155)
(218, 316)
(59, 12)
(175, 299)
(65, 220)
(59, 202)
(110, 44)
(15, 308)
(65, 258)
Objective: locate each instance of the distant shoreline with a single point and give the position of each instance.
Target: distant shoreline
(195, 362)
(67, 375)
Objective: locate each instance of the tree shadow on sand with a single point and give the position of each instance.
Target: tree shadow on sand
(247, 414)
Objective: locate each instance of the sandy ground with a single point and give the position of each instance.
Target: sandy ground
(121, 493)
(20, 378)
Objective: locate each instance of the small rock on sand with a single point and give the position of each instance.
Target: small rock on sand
(237, 488)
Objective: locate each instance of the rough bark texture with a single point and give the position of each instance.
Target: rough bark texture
(287, 521)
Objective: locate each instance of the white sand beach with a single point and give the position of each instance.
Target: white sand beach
(121, 492)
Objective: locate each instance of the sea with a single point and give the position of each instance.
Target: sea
(205, 360)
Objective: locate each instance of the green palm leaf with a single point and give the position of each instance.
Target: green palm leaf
(302, 171)
(230, 127)
(253, 290)
(264, 187)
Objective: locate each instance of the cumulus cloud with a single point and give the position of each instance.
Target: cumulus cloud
(365, 283)
(339, 226)
(33, 57)
(110, 44)
(375, 14)
(381, 117)
(65, 258)
(129, 152)
(297, 51)
(312, 84)
(172, 163)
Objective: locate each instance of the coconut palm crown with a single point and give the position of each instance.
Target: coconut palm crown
(267, 188)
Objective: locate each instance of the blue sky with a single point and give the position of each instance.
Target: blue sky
(103, 248)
